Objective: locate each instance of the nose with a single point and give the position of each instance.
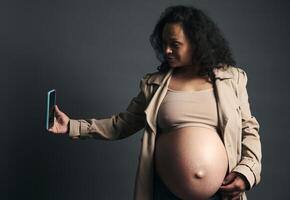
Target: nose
(167, 50)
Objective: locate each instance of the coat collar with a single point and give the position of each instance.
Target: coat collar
(158, 77)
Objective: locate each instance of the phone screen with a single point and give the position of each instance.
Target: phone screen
(51, 101)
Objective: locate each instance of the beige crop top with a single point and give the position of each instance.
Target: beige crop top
(187, 108)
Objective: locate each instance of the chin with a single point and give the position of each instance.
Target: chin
(174, 65)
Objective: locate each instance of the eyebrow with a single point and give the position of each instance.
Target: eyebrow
(173, 40)
(176, 41)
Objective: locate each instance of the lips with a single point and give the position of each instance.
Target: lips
(170, 58)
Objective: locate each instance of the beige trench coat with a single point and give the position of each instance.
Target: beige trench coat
(239, 129)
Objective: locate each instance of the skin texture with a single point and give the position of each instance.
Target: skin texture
(191, 161)
(177, 49)
(60, 122)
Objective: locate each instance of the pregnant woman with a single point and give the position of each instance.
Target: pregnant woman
(200, 140)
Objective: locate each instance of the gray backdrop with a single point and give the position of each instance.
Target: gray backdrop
(82, 49)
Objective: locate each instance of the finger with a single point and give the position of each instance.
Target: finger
(229, 188)
(229, 178)
(56, 109)
(52, 129)
(231, 194)
(236, 197)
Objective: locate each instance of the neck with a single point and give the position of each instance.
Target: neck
(186, 71)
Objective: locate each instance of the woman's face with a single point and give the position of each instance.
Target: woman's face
(176, 46)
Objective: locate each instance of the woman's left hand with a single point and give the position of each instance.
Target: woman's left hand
(233, 186)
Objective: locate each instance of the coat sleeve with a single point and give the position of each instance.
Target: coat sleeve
(250, 163)
(116, 127)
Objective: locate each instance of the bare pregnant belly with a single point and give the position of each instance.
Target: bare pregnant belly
(191, 161)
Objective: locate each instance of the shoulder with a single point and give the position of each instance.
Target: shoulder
(241, 76)
(149, 83)
(155, 77)
(238, 73)
(235, 70)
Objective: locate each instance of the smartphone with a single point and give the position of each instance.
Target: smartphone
(50, 112)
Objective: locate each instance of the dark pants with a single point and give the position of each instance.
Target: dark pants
(161, 192)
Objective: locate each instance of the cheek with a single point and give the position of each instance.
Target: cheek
(188, 55)
(185, 55)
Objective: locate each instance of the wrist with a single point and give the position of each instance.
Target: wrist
(68, 125)
(243, 177)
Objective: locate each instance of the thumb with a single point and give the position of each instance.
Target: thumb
(229, 178)
(57, 111)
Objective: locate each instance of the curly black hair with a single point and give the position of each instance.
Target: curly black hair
(211, 50)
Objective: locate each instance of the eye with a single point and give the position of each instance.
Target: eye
(175, 44)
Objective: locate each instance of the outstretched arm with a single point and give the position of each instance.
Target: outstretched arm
(117, 126)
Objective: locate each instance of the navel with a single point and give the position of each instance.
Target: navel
(199, 174)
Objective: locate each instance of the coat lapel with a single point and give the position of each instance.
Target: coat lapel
(223, 96)
(152, 108)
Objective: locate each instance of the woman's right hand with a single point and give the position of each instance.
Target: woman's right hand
(60, 125)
